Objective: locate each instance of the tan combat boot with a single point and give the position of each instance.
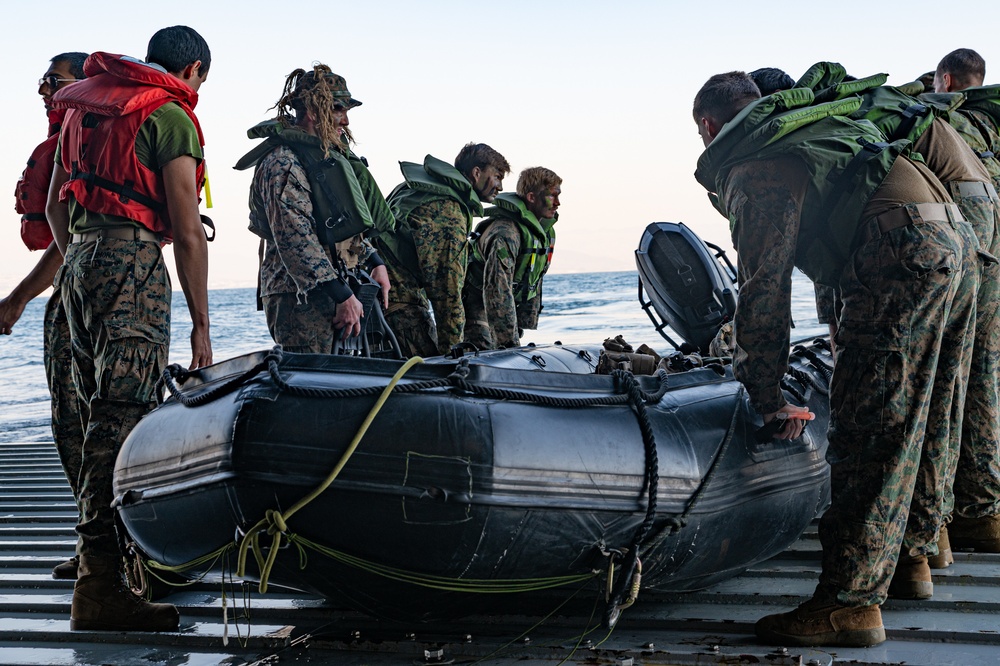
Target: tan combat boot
(980, 534)
(66, 570)
(912, 578)
(944, 558)
(821, 622)
(102, 602)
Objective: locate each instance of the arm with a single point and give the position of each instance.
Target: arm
(501, 251)
(56, 211)
(35, 282)
(190, 251)
(767, 210)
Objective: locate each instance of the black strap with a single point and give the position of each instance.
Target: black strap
(125, 191)
(35, 217)
(911, 115)
(844, 179)
(684, 271)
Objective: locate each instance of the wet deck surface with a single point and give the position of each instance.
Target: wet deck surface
(960, 625)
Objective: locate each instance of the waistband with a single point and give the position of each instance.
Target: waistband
(965, 188)
(118, 233)
(906, 215)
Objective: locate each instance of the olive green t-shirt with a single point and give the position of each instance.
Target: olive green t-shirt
(168, 133)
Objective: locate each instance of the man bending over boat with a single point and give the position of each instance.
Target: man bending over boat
(973, 496)
(885, 234)
(32, 192)
(128, 170)
(311, 201)
(427, 255)
(511, 252)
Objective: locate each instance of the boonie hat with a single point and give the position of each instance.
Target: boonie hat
(341, 95)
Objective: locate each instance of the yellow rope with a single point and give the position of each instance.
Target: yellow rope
(275, 523)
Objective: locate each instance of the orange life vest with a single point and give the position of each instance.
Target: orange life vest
(32, 188)
(98, 134)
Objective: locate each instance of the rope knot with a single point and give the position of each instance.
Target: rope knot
(276, 522)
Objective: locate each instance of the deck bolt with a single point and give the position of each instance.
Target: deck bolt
(410, 636)
(648, 646)
(715, 648)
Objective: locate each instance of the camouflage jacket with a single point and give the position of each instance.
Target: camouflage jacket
(500, 245)
(296, 262)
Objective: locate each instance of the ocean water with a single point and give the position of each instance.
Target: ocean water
(579, 308)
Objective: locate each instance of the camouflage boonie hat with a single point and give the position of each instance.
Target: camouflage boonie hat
(341, 95)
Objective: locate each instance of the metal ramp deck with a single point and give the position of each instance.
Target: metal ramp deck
(960, 625)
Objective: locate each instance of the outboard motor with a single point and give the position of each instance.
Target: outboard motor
(690, 289)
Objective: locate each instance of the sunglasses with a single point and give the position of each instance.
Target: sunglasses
(53, 81)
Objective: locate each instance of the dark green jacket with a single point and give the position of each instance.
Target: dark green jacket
(847, 160)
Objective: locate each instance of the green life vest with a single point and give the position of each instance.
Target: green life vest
(983, 102)
(896, 114)
(846, 159)
(538, 240)
(434, 180)
(346, 200)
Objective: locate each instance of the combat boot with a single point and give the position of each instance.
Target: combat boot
(912, 578)
(66, 570)
(980, 534)
(944, 558)
(102, 602)
(822, 622)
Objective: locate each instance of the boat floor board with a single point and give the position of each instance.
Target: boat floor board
(713, 626)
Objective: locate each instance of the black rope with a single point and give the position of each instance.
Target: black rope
(312, 392)
(650, 486)
(815, 359)
(175, 373)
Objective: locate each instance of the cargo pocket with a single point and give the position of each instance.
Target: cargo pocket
(868, 391)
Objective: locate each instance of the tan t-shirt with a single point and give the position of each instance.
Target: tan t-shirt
(948, 156)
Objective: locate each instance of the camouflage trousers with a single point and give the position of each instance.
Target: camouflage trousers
(67, 431)
(409, 314)
(117, 299)
(304, 328)
(903, 353)
(976, 469)
(477, 322)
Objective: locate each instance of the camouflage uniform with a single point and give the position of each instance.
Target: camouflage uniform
(899, 292)
(440, 231)
(67, 427)
(491, 313)
(117, 299)
(975, 491)
(950, 159)
(301, 280)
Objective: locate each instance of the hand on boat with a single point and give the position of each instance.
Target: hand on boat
(348, 317)
(795, 419)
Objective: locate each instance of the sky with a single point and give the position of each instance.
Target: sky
(599, 92)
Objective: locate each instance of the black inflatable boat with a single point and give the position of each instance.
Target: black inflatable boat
(478, 481)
